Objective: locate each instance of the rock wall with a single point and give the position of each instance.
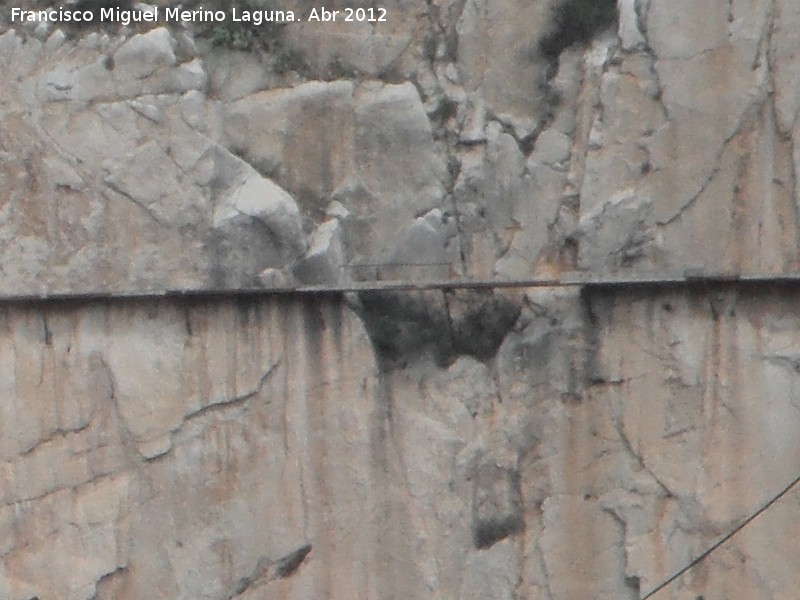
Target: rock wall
(159, 449)
(452, 141)
(541, 444)
(253, 447)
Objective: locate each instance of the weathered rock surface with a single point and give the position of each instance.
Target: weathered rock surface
(250, 448)
(656, 149)
(529, 444)
(165, 423)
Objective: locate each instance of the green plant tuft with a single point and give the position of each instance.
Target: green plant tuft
(289, 59)
(339, 69)
(243, 35)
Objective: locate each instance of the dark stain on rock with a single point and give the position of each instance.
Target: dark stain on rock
(635, 584)
(496, 505)
(576, 23)
(313, 317)
(289, 564)
(314, 325)
(247, 307)
(407, 326)
(336, 320)
(244, 246)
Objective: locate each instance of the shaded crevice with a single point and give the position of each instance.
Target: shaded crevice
(443, 28)
(218, 406)
(238, 400)
(147, 210)
(268, 570)
(125, 434)
(454, 172)
(742, 122)
(771, 61)
(631, 582)
(629, 449)
(486, 533)
(407, 326)
(67, 487)
(497, 511)
(576, 23)
(289, 564)
(594, 309)
(58, 434)
(110, 584)
(545, 571)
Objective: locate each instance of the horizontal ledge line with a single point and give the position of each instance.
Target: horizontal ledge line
(573, 279)
(396, 265)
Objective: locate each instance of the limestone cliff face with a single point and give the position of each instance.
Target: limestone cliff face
(256, 448)
(446, 136)
(538, 444)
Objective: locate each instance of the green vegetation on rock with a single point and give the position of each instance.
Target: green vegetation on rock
(243, 35)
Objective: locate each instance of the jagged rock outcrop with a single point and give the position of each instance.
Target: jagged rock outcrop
(658, 148)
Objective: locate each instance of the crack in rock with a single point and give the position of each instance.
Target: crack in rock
(268, 570)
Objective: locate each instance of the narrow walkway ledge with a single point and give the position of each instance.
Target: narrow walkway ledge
(691, 278)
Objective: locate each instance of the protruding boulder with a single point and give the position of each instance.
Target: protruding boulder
(144, 54)
(256, 226)
(421, 242)
(325, 259)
